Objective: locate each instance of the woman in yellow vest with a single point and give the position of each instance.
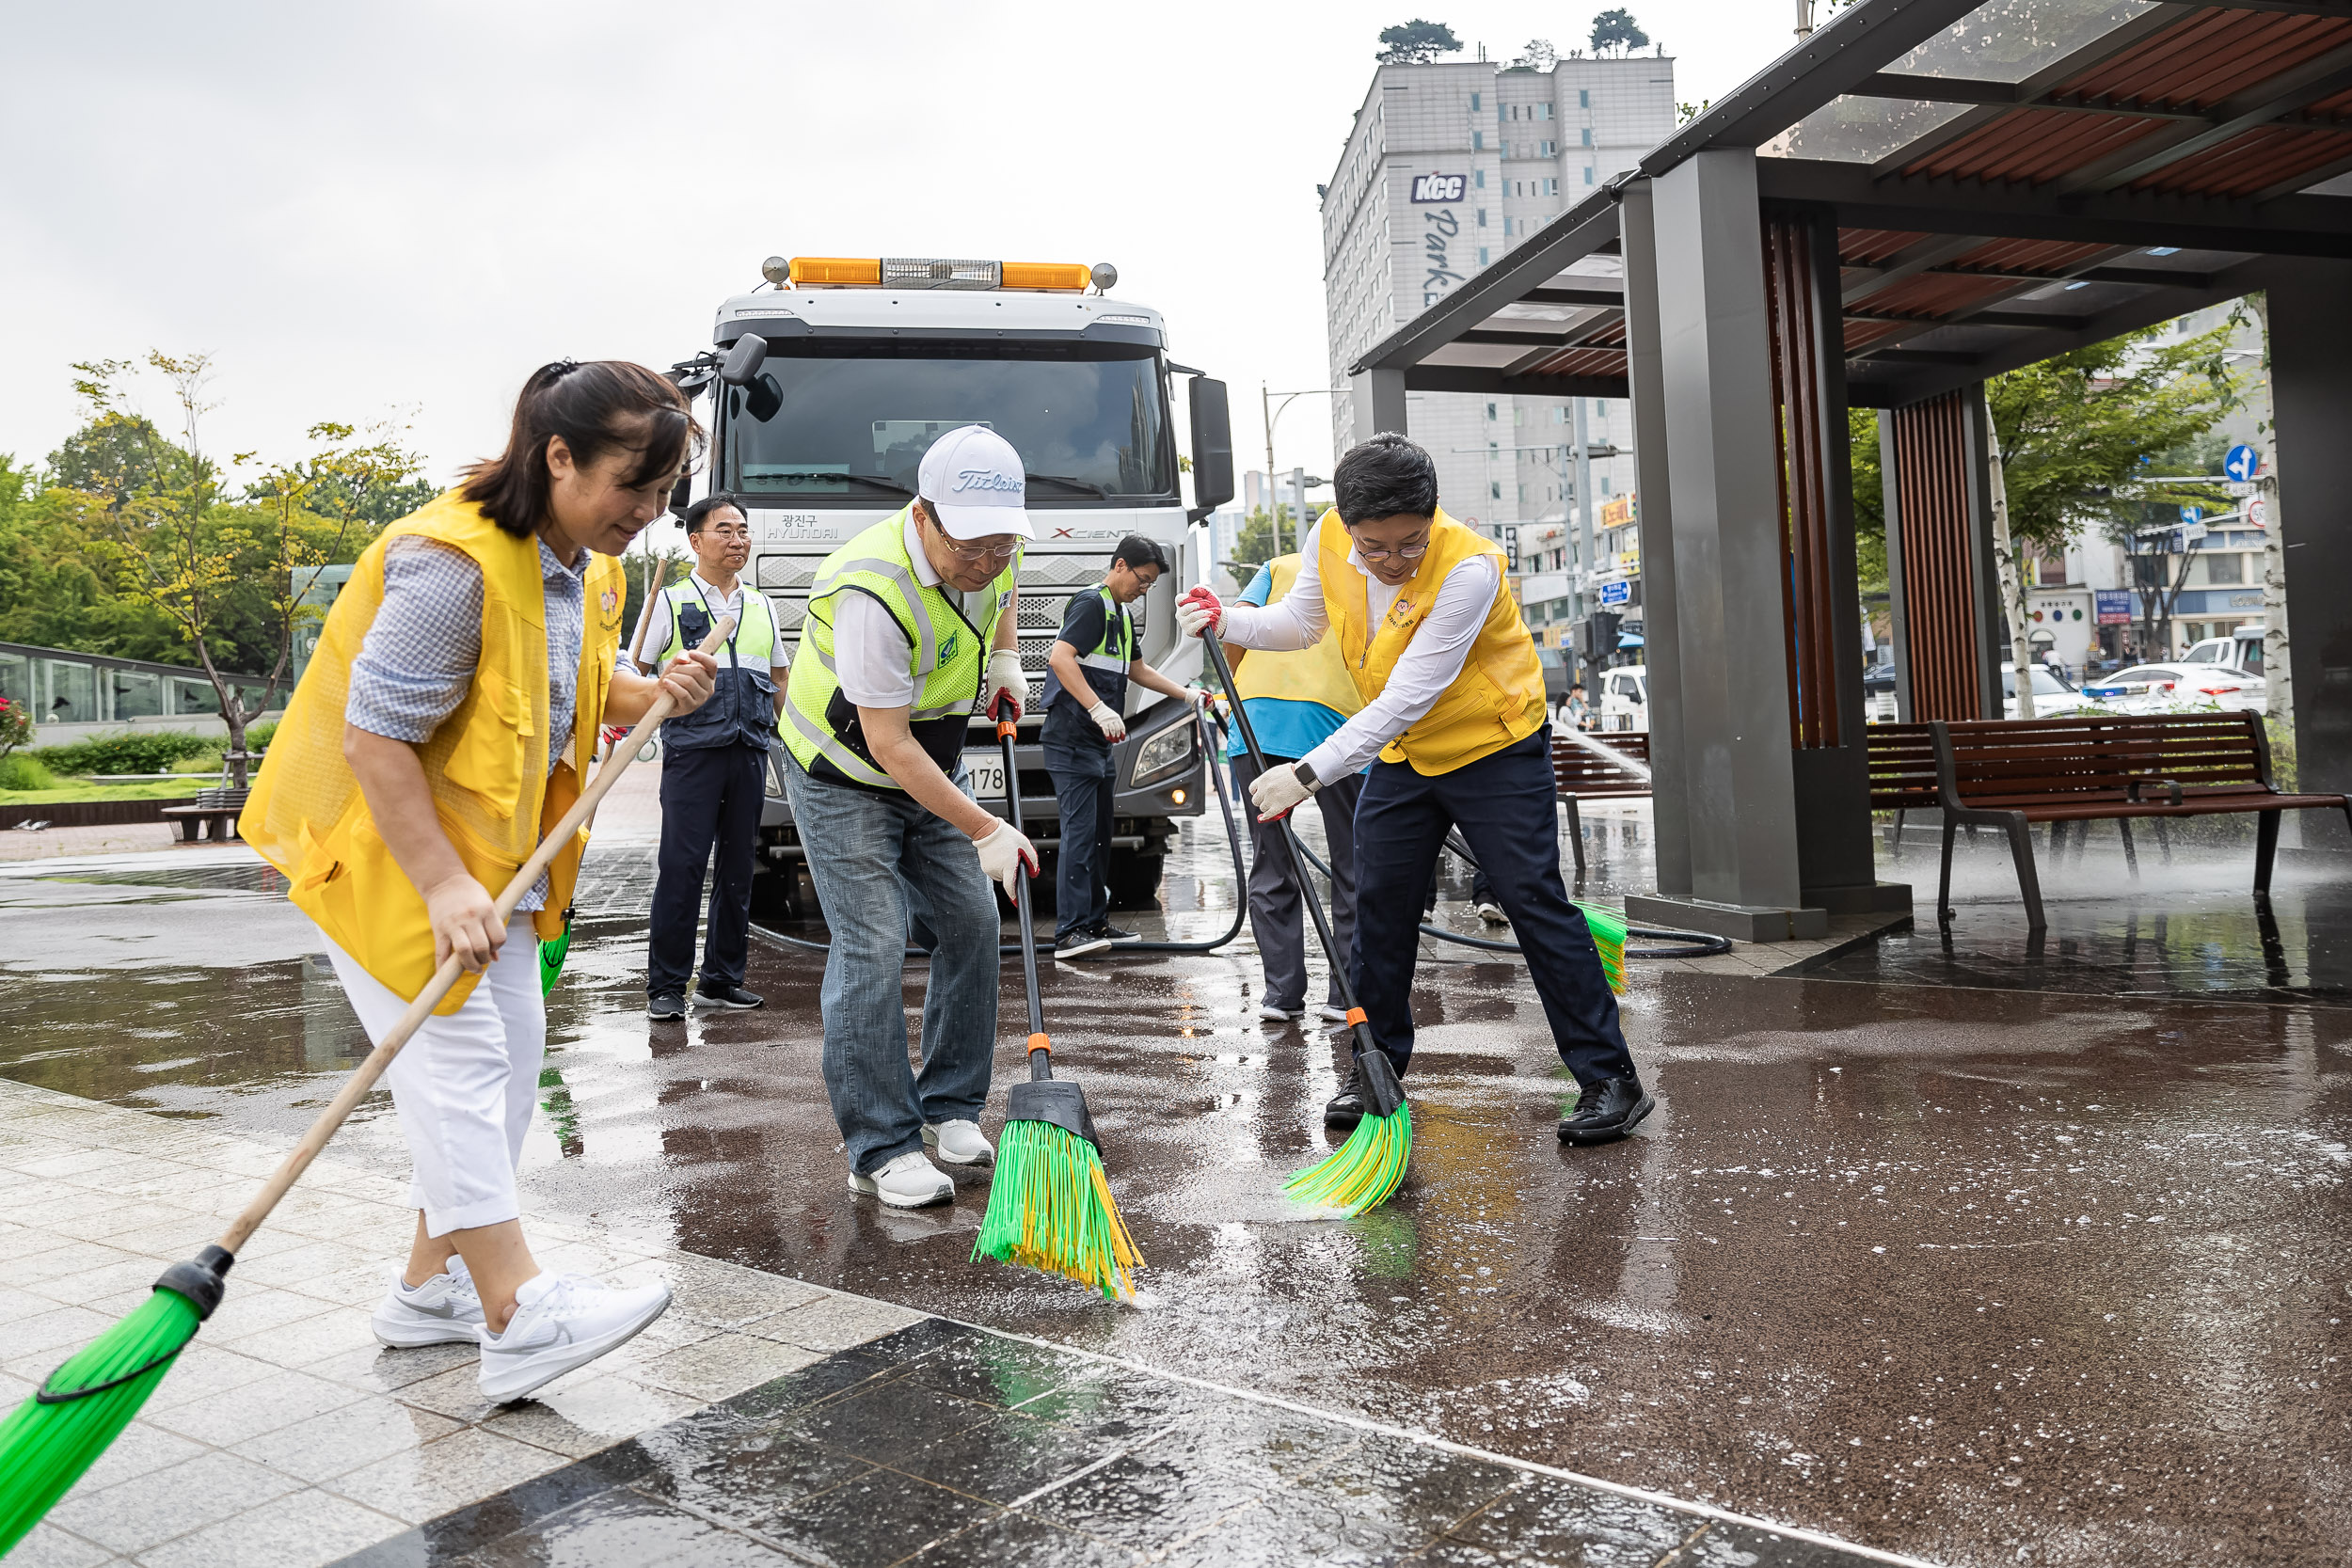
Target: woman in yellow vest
(1294, 702)
(1453, 708)
(451, 710)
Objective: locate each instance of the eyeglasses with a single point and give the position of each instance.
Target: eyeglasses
(977, 552)
(735, 534)
(1405, 552)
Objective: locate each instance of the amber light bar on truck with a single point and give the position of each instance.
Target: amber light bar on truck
(940, 272)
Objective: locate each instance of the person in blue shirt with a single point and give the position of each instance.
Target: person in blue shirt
(1296, 701)
(1088, 670)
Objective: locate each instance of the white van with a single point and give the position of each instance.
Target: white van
(1624, 698)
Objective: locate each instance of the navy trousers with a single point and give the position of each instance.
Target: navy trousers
(1504, 805)
(709, 794)
(1085, 781)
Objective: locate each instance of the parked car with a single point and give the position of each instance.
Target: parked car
(2051, 693)
(2179, 688)
(1625, 698)
(2241, 650)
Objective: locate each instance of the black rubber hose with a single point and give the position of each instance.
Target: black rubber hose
(1212, 758)
(1689, 944)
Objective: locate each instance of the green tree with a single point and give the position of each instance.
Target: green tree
(1416, 42)
(1869, 503)
(1616, 31)
(1254, 546)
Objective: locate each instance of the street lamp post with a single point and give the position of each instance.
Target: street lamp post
(1273, 411)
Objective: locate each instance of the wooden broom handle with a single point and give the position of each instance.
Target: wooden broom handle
(356, 1089)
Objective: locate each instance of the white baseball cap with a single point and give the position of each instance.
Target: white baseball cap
(972, 481)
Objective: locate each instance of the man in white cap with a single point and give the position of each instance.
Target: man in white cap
(912, 627)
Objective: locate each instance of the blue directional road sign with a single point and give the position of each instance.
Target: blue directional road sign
(1615, 592)
(2241, 463)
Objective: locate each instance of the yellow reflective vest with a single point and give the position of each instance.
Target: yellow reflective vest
(1316, 675)
(486, 764)
(1496, 701)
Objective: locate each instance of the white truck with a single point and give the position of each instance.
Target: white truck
(828, 386)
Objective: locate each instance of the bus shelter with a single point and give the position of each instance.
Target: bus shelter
(1920, 194)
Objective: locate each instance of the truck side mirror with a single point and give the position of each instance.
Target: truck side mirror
(1212, 447)
(762, 398)
(745, 359)
(681, 495)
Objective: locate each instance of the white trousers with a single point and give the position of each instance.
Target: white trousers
(466, 1082)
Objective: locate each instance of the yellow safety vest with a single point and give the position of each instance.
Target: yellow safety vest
(947, 651)
(1497, 700)
(1316, 675)
(486, 764)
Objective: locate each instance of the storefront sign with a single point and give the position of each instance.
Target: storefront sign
(2115, 607)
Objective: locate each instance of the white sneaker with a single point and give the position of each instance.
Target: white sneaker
(909, 1182)
(561, 1322)
(959, 1142)
(1269, 1013)
(1491, 912)
(1331, 1012)
(442, 1310)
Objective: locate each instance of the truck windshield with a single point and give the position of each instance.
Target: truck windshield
(851, 426)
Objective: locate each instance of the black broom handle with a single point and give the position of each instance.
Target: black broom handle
(1298, 862)
(1040, 1064)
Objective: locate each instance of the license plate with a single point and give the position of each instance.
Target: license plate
(987, 771)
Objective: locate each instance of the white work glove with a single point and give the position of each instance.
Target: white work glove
(1005, 676)
(1275, 791)
(1200, 610)
(1004, 854)
(1107, 719)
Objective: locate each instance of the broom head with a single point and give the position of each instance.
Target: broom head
(57, 1434)
(1049, 1206)
(1609, 932)
(1362, 1172)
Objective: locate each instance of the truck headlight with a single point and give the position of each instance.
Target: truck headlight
(1164, 755)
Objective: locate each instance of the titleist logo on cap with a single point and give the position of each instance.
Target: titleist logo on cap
(986, 479)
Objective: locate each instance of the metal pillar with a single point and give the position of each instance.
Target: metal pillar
(2310, 379)
(1722, 460)
(1662, 641)
(1379, 397)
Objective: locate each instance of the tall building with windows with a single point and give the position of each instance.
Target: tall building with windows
(1449, 167)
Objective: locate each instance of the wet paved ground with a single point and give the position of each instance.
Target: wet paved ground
(1978, 1263)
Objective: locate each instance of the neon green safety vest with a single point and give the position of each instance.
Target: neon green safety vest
(947, 654)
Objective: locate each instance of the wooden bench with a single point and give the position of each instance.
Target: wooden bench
(1615, 768)
(211, 820)
(2012, 773)
(1901, 759)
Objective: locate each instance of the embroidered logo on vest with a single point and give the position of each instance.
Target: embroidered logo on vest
(947, 646)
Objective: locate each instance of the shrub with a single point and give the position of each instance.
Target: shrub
(16, 725)
(139, 751)
(22, 772)
(257, 736)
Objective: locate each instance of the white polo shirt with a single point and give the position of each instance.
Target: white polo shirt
(657, 626)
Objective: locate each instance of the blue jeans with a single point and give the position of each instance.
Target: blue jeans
(1505, 805)
(884, 866)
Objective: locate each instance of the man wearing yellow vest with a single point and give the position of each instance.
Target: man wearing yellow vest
(450, 711)
(911, 628)
(1453, 707)
(1296, 701)
(714, 764)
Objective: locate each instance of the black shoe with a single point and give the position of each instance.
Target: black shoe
(1606, 1111)
(1346, 1108)
(1117, 937)
(723, 995)
(1077, 945)
(665, 1008)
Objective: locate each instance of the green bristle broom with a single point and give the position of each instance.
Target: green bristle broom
(52, 1438)
(1049, 1205)
(1363, 1171)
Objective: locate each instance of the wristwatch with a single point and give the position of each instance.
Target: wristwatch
(1305, 776)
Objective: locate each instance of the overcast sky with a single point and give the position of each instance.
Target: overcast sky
(359, 210)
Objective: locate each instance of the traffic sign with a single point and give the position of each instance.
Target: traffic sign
(1615, 592)
(2191, 513)
(2258, 513)
(2243, 463)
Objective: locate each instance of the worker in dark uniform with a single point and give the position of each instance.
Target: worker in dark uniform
(1087, 669)
(714, 764)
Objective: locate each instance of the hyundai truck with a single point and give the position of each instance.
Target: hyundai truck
(830, 384)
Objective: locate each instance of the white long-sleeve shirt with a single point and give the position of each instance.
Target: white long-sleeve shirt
(1430, 663)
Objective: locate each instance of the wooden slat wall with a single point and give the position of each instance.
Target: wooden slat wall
(1939, 600)
(1808, 593)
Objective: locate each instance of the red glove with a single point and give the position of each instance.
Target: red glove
(1200, 610)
